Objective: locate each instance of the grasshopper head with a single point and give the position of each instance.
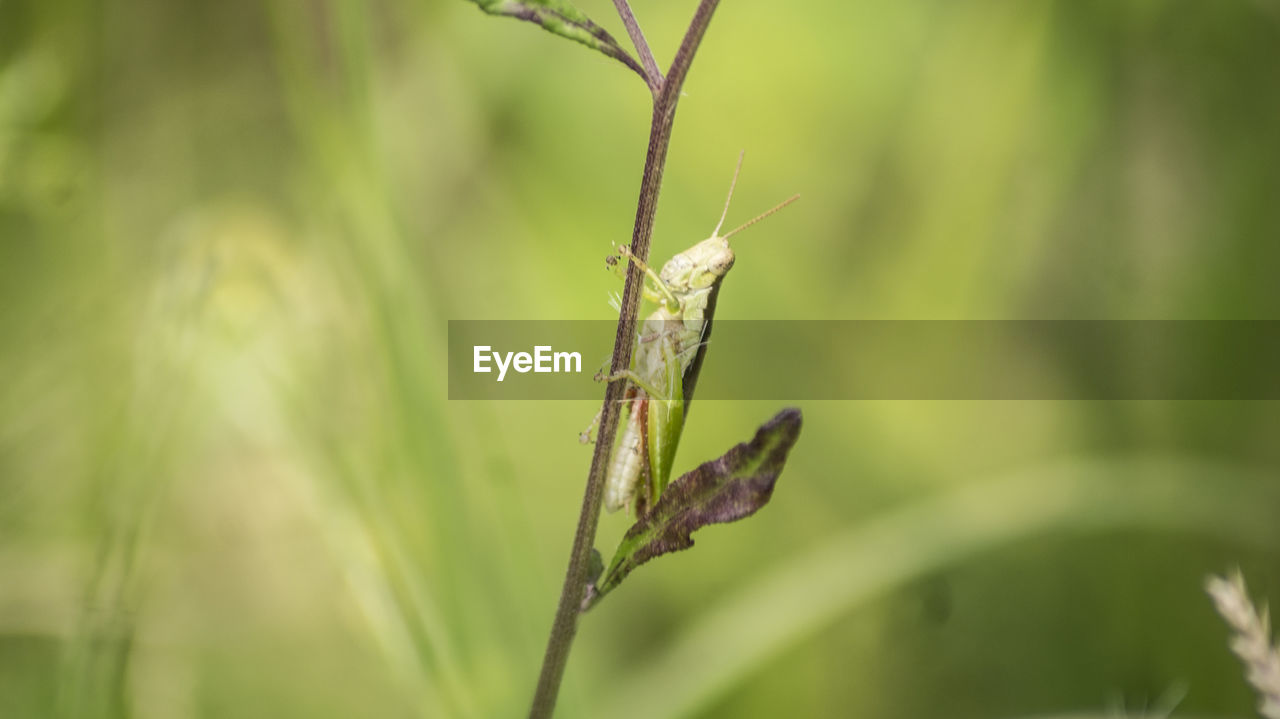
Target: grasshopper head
(700, 266)
(707, 262)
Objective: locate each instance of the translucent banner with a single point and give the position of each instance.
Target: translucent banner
(874, 359)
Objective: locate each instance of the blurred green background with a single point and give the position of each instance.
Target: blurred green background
(231, 236)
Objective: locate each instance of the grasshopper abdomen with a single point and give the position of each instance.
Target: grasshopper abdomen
(629, 453)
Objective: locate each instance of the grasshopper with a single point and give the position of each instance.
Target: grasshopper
(671, 346)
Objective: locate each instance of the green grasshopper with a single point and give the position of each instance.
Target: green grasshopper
(672, 343)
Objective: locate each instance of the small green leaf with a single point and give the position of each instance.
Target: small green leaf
(565, 20)
(717, 492)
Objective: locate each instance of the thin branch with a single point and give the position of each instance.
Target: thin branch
(684, 56)
(565, 625)
(652, 74)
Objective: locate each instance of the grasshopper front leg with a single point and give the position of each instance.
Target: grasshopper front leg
(661, 295)
(646, 291)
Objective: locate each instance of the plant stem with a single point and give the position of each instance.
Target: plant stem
(653, 76)
(565, 625)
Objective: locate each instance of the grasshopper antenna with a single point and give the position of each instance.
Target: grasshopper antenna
(761, 216)
(732, 184)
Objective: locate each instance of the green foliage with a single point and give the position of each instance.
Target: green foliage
(716, 492)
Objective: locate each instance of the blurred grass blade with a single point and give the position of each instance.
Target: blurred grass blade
(870, 559)
(565, 20)
(717, 492)
(1252, 640)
